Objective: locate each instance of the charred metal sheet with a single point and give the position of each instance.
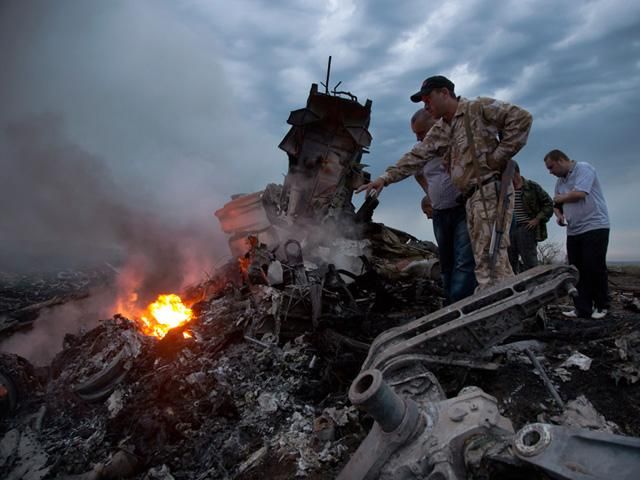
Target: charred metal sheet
(577, 454)
(244, 214)
(365, 212)
(257, 261)
(22, 455)
(478, 322)
(252, 214)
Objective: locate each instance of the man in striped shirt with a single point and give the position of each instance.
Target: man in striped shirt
(533, 209)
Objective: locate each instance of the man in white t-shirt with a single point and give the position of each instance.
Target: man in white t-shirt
(579, 206)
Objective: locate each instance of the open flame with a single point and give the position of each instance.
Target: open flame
(165, 313)
(244, 263)
(168, 311)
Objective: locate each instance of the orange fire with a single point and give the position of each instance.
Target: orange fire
(165, 313)
(244, 264)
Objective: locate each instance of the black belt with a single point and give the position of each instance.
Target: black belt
(474, 188)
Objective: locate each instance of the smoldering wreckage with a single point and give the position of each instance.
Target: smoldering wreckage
(252, 380)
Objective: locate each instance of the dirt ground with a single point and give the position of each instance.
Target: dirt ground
(204, 408)
(521, 394)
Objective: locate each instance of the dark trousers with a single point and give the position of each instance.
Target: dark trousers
(523, 246)
(456, 256)
(588, 252)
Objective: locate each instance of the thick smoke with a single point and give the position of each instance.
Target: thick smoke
(118, 140)
(66, 205)
(63, 203)
(67, 209)
(41, 343)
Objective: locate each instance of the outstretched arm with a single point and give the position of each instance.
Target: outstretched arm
(432, 146)
(374, 187)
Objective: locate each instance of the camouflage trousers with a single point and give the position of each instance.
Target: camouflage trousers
(480, 225)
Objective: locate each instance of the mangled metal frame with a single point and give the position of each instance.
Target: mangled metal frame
(419, 433)
(324, 146)
(468, 328)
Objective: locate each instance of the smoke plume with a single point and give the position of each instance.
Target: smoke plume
(117, 142)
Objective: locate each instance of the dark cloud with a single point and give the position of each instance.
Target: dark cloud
(576, 69)
(116, 120)
(182, 100)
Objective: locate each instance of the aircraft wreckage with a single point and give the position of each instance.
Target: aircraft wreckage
(252, 383)
(418, 432)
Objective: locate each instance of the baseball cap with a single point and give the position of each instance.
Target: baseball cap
(431, 83)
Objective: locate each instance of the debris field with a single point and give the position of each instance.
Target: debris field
(324, 349)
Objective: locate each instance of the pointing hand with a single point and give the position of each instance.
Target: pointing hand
(372, 188)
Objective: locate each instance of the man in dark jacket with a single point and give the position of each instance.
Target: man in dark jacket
(533, 209)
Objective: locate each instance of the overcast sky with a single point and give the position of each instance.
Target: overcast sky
(172, 106)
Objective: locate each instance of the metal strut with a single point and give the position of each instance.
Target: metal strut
(477, 323)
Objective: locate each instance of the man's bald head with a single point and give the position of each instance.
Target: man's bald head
(421, 123)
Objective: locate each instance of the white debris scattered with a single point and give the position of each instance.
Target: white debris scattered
(268, 402)
(115, 402)
(563, 373)
(582, 414)
(196, 378)
(159, 473)
(275, 273)
(518, 347)
(341, 416)
(579, 360)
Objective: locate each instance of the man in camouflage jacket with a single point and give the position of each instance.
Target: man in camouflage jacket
(476, 138)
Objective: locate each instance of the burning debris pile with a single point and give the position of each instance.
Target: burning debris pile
(246, 375)
(247, 380)
(249, 387)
